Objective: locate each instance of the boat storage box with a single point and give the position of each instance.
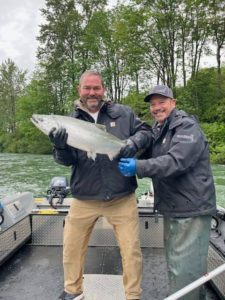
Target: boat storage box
(47, 229)
(16, 207)
(16, 226)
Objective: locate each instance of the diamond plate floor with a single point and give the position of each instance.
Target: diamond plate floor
(36, 273)
(100, 286)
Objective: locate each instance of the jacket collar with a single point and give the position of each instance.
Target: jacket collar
(113, 110)
(173, 121)
(176, 118)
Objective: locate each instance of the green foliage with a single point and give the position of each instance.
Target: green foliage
(141, 108)
(12, 84)
(27, 138)
(33, 142)
(128, 29)
(130, 44)
(215, 133)
(204, 96)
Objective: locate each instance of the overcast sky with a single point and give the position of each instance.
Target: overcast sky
(19, 27)
(19, 20)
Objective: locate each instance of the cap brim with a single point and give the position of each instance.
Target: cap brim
(148, 98)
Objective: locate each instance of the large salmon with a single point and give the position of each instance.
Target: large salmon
(83, 135)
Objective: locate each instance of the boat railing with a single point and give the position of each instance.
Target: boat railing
(190, 287)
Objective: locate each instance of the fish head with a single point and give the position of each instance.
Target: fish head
(44, 122)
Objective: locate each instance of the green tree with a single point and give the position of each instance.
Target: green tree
(128, 30)
(64, 51)
(12, 85)
(217, 22)
(202, 97)
(58, 52)
(215, 133)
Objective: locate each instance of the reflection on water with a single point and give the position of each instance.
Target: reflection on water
(27, 172)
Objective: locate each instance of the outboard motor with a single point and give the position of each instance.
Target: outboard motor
(58, 189)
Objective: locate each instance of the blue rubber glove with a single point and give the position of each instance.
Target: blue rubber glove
(127, 166)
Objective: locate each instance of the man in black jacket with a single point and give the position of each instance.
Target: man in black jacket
(99, 189)
(183, 188)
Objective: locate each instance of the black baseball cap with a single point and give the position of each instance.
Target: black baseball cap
(163, 90)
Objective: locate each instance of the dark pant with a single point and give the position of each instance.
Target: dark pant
(186, 244)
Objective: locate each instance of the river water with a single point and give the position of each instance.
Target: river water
(33, 173)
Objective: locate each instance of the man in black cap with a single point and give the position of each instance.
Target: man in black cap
(183, 188)
(161, 97)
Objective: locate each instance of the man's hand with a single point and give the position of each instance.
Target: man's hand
(127, 166)
(128, 150)
(58, 137)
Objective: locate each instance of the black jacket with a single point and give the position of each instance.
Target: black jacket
(101, 179)
(180, 168)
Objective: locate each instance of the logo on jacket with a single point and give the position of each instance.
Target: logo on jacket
(185, 138)
(112, 124)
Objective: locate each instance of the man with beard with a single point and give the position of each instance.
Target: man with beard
(99, 189)
(184, 191)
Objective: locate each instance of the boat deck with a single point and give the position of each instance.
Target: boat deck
(35, 272)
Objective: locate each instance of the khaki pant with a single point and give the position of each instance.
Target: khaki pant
(186, 245)
(122, 214)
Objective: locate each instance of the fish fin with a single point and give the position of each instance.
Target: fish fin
(100, 126)
(91, 155)
(111, 156)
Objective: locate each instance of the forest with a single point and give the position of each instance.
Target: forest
(135, 46)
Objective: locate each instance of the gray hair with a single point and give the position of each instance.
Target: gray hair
(91, 72)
